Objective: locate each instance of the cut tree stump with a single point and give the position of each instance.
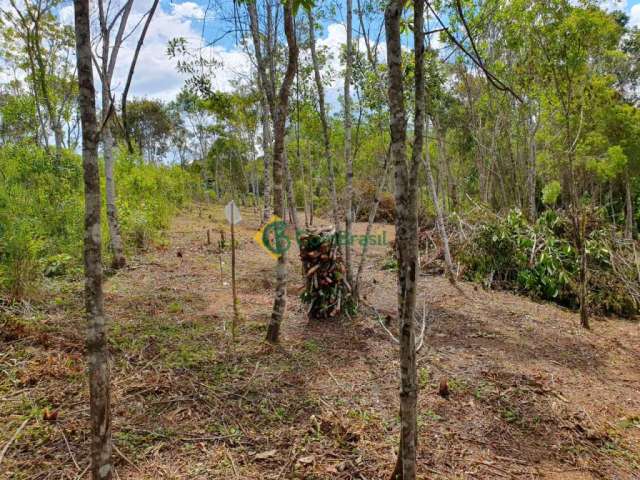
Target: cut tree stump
(326, 292)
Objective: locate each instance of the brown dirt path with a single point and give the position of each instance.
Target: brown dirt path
(532, 395)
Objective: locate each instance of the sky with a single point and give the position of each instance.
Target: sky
(156, 75)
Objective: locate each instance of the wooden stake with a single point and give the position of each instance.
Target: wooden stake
(233, 279)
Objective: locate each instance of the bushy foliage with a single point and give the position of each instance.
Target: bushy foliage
(540, 260)
(148, 195)
(42, 210)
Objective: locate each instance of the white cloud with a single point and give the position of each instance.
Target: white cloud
(611, 5)
(634, 16)
(66, 14)
(156, 75)
(188, 10)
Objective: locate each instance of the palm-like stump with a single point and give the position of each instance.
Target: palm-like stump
(327, 292)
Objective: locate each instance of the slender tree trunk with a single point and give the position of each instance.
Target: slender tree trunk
(531, 173)
(97, 351)
(628, 225)
(267, 143)
(370, 220)
(406, 220)
(115, 238)
(326, 136)
(291, 200)
(348, 160)
(442, 231)
(279, 304)
(583, 275)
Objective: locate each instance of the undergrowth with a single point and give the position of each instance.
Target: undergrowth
(42, 211)
(541, 260)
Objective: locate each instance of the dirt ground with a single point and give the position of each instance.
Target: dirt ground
(532, 395)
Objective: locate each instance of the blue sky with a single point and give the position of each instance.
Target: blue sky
(156, 75)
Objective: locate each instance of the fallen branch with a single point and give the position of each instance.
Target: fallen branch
(12, 439)
(125, 458)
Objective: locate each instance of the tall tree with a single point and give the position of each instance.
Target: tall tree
(97, 349)
(406, 173)
(348, 158)
(326, 133)
(35, 38)
(108, 59)
(279, 131)
(268, 100)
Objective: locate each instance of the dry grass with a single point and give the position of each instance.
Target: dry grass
(533, 396)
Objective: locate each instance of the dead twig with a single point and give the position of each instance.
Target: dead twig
(125, 458)
(12, 439)
(233, 465)
(66, 442)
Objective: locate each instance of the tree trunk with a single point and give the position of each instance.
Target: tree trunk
(323, 120)
(348, 160)
(628, 226)
(442, 231)
(583, 274)
(406, 220)
(115, 238)
(531, 174)
(279, 304)
(266, 149)
(291, 200)
(97, 351)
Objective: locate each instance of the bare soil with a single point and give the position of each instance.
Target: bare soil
(532, 394)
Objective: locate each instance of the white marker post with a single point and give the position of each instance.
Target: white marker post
(232, 212)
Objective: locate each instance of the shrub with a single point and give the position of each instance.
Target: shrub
(148, 195)
(42, 210)
(540, 260)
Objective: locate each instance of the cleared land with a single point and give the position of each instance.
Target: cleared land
(532, 395)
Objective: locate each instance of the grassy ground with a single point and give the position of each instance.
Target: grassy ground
(532, 395)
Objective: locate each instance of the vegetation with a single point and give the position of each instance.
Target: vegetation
(499, 137)
(41, 210)
(540, 260)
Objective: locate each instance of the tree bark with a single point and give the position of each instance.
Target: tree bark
(406, 220)
(348, 160)
(291, 200)
(279, 304)
(531, 172)
(97, 351)
(267, 143)
(117, 249)
(442, 231)
(628, 225)
(326, 135)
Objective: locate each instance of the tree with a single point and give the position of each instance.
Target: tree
(322, 110)
(279, 123)
(42, 47)
(149, 124)
(106, 67)
(348, 158)
(406, 174)
(97, 348)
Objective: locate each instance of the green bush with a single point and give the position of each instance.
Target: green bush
(42, 210)
(148, 196)
(540, 260)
